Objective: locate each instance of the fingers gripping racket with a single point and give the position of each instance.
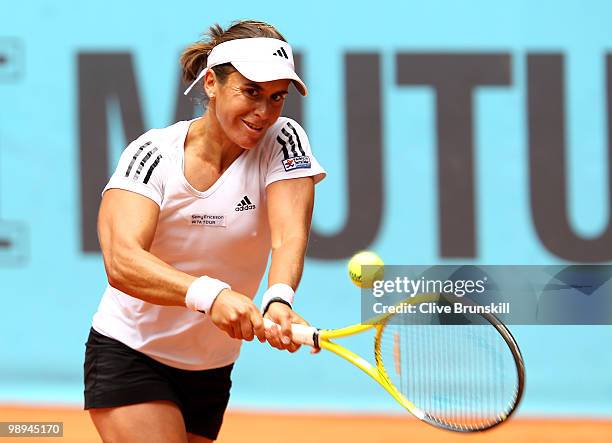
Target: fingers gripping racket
(461, 377)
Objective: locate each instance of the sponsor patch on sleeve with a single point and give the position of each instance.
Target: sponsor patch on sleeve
(301, 162)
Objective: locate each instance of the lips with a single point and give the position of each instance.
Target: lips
(252, 127)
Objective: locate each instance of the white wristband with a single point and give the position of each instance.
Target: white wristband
(203, 292)
(278, 290)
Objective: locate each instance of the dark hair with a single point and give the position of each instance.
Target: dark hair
(193, 59)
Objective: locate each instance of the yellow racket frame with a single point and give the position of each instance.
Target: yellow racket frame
(378, 371)
(322, 338)
(373, 371)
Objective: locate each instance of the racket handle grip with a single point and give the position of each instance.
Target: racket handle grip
(302, 334)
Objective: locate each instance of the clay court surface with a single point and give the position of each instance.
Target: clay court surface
(243, 427)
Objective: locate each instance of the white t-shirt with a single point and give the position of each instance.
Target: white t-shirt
(222, 232)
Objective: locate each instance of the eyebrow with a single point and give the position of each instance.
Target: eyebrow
(259, 88)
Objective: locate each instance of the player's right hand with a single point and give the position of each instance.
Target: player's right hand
(237, 315)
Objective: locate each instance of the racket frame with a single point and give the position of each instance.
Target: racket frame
(322, 339)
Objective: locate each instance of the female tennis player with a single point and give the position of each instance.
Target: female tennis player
(186, 225)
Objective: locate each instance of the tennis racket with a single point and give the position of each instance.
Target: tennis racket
(464, 377)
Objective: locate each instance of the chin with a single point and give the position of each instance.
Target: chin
(244, 137)
(249, 142)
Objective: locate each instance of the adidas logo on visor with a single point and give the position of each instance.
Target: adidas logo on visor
(281, 53)
(244, 204)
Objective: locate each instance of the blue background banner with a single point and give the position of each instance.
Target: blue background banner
(452, 132)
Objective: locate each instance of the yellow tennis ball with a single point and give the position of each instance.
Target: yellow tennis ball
(365, 277)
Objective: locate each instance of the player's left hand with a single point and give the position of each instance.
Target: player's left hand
(281, 338)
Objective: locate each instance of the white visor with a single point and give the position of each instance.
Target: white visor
(259, 59)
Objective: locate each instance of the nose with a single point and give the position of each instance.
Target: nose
(263, 109)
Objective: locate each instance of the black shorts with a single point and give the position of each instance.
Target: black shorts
(117, 375)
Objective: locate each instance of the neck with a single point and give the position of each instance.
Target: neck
(207, 141)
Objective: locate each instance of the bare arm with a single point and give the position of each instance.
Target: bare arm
(290, 205)
(126, 226)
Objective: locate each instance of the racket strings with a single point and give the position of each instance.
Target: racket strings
(462, 377)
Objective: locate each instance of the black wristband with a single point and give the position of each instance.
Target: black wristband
(276, 300)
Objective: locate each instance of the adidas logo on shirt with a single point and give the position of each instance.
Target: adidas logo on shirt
(244, 204)
(144, 154)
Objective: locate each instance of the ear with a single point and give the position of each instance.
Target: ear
(210, 84)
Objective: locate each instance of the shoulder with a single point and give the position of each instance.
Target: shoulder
(151, 154)
(285, 134)
(164, 139)
(286, 127)
(159, 145)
